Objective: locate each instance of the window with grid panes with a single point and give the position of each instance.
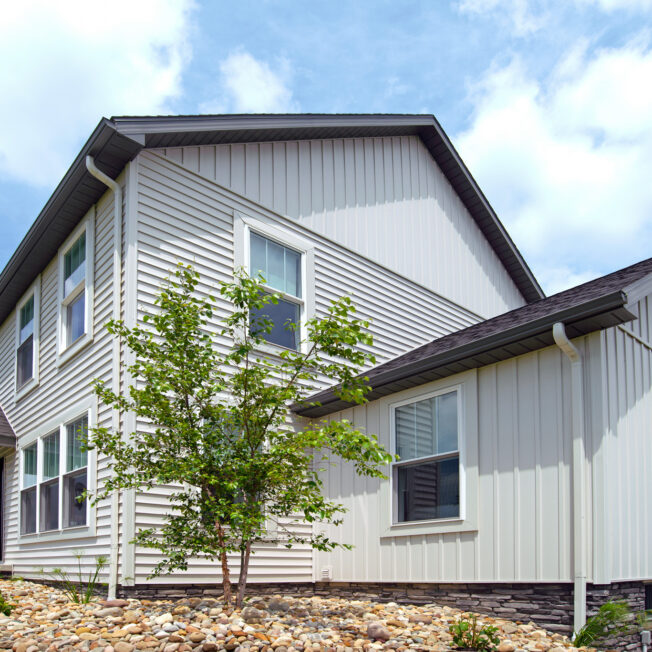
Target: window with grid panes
(25, 350)
(280, 267)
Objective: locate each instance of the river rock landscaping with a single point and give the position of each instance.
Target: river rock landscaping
(43, 620)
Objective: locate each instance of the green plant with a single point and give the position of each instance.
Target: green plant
(222, 430)
(466, 634)
(5, 607)
(613, 617)
(79, 589)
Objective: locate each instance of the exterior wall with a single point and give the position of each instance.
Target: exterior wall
(517, 479)
(627, 499)
(182, 216)
(385, 198)
(60, 389)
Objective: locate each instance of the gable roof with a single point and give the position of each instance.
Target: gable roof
(7, 434)
(115, 142)
(598, 304)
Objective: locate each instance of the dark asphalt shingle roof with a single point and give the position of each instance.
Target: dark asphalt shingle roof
(585, 308)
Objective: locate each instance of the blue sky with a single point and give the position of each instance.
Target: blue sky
(550, 104)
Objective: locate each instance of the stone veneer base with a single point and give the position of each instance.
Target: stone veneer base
(548, 605)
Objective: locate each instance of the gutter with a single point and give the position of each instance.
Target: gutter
(579, 508)
(115, 376)
(329, 401)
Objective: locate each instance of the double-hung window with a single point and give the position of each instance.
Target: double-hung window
(76, 290)
(27, 339)
(25, 351)
(280, 266)
(426, 478)
(54, 479)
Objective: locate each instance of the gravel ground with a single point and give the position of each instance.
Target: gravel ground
(44, 620)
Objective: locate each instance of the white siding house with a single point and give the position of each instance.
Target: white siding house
(470, 388)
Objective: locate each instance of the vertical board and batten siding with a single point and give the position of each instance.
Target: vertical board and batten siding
(59, 389)
(523, 531)
(385, 198)
(627, 392)
(185, 217)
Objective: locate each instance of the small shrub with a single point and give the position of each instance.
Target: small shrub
(467, 635)
(79, 589)
(613, 618)
(5, 607)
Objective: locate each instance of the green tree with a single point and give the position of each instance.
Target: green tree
(221, 430)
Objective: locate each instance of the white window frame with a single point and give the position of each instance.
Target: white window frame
(38, 436)
(66, 351)
(428, 458)
(35, 291)
(243, 227)
(465, 385)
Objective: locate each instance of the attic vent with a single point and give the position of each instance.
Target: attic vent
(326, 573)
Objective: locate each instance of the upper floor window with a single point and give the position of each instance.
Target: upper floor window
(75, 290)
(426, 478)
(280, 266)
(52, 491)
(27, 339)
(74, 294)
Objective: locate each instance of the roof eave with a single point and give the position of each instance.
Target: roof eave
(579, 320)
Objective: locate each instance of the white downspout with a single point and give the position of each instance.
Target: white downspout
(579, 510)
(115, 378)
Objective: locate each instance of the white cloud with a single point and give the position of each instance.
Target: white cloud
(63, 65)
(252, 86)
(567, 162)
(523, 16)
(616, 5)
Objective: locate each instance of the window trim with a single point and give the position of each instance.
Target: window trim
(243, 226)
(35, 291)
(66, 351)
(466, 386)
(59, 425)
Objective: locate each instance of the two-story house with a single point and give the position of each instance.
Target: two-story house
(523, 485)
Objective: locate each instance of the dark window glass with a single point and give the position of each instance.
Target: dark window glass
(26, 318)
(283, 315)
(50, 450)
(76, 319)
(28, 511)
(429, 490)
(74, 509)
(25, 361)
(49, 514)
(77, 434)
(29, 466)
(74, 269)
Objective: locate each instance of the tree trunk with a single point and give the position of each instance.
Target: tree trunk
(244, 570)
(226, 575)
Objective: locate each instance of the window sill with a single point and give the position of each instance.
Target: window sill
(439, 526)
(72, 350)
(80, 532)
(27, 388)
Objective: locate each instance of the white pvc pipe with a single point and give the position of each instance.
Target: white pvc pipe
(579, 509)
(115, 379)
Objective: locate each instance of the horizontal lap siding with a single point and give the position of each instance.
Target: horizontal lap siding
(628, 469)
(524, 526)
(385, 198)
(59, 389)
(184, 217)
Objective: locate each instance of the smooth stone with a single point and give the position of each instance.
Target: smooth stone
(378, 632)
